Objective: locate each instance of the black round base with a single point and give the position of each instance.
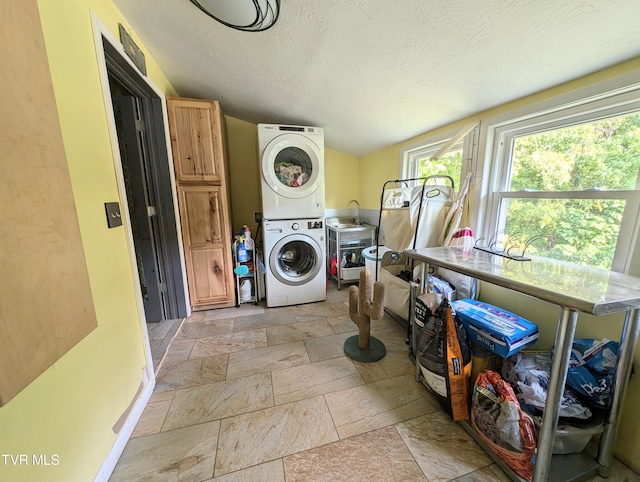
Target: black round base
(376, 351)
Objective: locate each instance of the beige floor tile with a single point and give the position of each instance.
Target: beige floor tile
(618, 472)
(492, 473)
(299, 331)
(392, 365)
(200, 329)
(396, 361)
(269, 434)
(379, 455)
(314, 311)
(184, 454)
(291, 384)
(181, 347)
(337, 296)
(328, 346)
(161, 396)
(152, 418)
(271, 317)
(390, 332)
(441, 447)
(219, 400)
(244, 309)
(169, 361)
(369, 407)
(175, 374)
(342, 324)
(229, 343)
(197, 316)
(163, 332)
(267, 472)
(260, 360)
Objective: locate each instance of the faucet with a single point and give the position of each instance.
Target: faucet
(358, 204)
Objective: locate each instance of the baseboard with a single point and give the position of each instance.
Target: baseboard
(125, 433)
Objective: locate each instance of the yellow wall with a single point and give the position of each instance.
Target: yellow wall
(244, 172)
(342, 179)
(385, 164)
(70, 410)
(375, 169)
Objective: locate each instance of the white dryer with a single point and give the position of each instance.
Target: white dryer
(292, 171)
(295, 257)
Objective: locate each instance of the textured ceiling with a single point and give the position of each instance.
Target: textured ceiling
(373, 72)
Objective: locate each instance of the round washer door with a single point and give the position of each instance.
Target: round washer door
(295, 259)
(292, 166)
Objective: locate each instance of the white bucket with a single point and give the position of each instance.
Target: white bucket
(372, 257)
(245, 290)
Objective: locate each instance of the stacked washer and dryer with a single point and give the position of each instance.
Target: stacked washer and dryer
(292, 184)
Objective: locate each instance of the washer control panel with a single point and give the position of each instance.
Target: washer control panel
(302, 226)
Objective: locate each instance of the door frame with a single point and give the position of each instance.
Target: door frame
(101, 33)
(147, 174)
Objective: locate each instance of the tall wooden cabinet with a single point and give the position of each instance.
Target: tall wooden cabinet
(199, 158)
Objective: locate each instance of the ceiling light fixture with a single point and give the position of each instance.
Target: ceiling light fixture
(247, 15)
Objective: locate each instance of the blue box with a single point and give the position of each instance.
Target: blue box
(495, 329)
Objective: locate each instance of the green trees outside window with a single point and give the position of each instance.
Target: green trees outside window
(599, 156)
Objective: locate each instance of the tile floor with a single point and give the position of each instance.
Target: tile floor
(160, 335)
(267, 394)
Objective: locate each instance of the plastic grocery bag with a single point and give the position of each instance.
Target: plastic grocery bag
(444, 356)
(528, 374)
(592, 370)
(500, 422)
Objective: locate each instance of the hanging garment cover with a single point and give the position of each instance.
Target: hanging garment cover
(412, 220)
(454, 216)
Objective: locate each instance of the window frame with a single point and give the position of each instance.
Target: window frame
(412, 154)
(499, 139)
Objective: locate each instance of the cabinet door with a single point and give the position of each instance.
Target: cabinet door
(196, 140)
(204, 215)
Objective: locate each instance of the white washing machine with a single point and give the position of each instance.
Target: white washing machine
(295, 258)
(292, 171)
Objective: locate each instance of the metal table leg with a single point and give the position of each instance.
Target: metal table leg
(623, 370)
(558, 377)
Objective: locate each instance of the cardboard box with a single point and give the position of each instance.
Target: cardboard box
(497, 330)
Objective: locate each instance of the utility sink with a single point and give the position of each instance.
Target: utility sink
(346, 223)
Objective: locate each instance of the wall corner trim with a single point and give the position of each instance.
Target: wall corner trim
(133, 416)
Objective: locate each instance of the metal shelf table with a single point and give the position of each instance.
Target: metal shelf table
(574, 289)
(340, 241)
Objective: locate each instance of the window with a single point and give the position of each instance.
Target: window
(569, 179)
(454, 162)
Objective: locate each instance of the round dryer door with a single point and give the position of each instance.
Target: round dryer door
(295, 259)
(292, 166)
